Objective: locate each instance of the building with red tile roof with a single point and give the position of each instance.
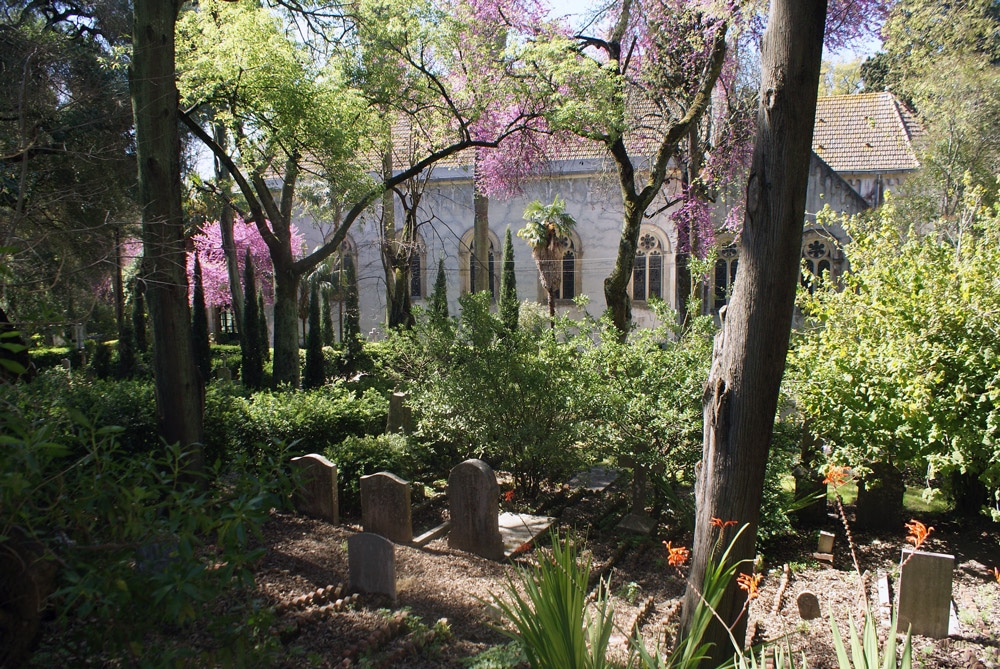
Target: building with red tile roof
(868, 139)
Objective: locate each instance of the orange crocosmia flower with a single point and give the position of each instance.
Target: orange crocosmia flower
(750, 583)
(996, 574)
(836, 475)
(918, 533)
(508, 496)
(676, 556)
(721, 524)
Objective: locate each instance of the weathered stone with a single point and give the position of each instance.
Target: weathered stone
(400, 415)
(385, 507)
(808, 604)
(880, 498)
(925, 592)
(825, 542)
(596, 479)
(518, 530)
(637, 523)
(474, 498)
(372, 563)
(316, 490)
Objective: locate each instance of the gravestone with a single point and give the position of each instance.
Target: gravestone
(385, 507)
(808, 604)
(925, 592)
(371, 560)
(474, 498)
(825, 542)
(400, 417)
(316, 492)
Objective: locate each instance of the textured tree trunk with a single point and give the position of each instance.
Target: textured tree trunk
(286, 326)
(480, 238)
(741, 394)
(226, 216)
(179, 392)
(616, 285)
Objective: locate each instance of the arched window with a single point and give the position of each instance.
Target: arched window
(468, 265)
(726, 264)
(822, 258)
(418, 265)
(650, 261)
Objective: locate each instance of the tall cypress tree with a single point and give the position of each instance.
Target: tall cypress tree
(313, 377)
(326, 328)
(199, 325)
(510, 308)
(352, 314)
(265, 339)
(439, 298)
(252, 368)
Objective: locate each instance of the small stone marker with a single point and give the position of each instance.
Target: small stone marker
(594, 480)
(639, 523)
(825, 542)
(808, 604)
(925, 592)
(372, 563)
(474, 499)
(316, 494)
(385, 507)
(400, 415)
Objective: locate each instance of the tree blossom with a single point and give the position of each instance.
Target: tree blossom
(215, 275)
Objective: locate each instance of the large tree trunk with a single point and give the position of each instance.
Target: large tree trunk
(179, 390)
(741, 394)
(616, 284)
(286, 326)
(226, 216)
(480, 237)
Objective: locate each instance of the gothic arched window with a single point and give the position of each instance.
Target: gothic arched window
(468, 265)
(648, 270)
(726, 264)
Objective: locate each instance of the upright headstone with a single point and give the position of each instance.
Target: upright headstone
(925, 592)
(808, 604)
(316, 493)
(371, 560)
(400, 415)
(474, 499)
(825, 542)
(385, 507)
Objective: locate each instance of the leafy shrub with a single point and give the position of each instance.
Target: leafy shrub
(52, 356)
(514, 399)
(138, 551)
(357, 456)
(315, 419)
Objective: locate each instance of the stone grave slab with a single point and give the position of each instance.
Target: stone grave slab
(596, 479)
(385, 507)
(925, 592)
(371, 560)
(637, 523)
(316, 493)
(518, 529)
(474, 502)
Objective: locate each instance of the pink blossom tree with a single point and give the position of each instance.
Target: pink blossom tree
(657, 83)
(321, 115)
(208, 246)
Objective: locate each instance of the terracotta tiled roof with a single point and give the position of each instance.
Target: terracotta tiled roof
(642, 141)
(871, 132)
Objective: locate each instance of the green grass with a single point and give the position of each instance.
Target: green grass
(913, 499)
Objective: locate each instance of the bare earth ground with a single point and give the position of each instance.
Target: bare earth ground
(436, 582)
